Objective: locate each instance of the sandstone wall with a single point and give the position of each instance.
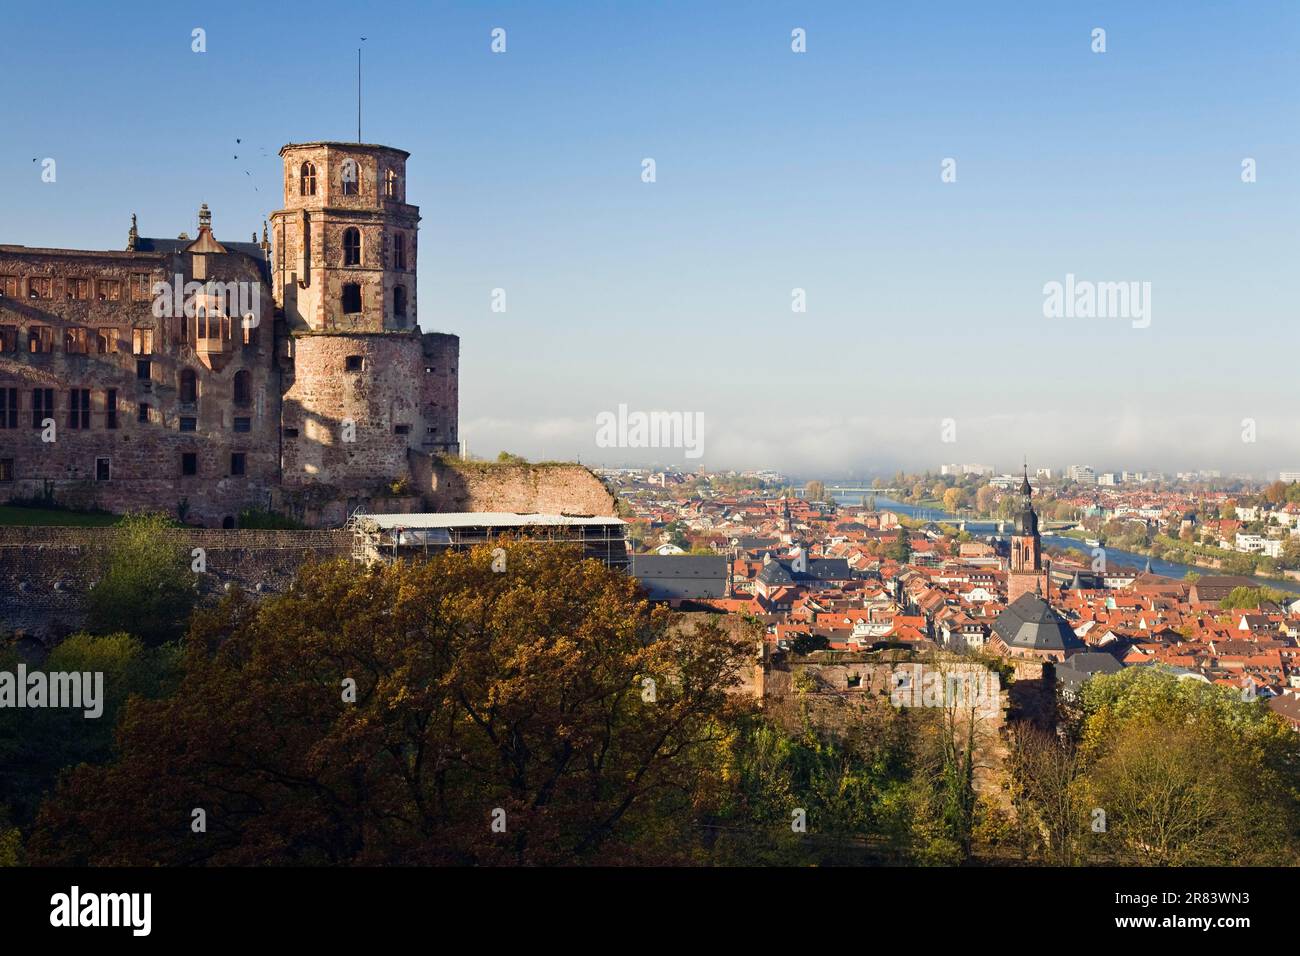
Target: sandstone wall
(45, 573)
(546, 488)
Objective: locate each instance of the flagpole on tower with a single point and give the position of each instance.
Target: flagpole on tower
(363, 40)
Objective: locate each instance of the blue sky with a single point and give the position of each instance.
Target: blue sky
(775, 171)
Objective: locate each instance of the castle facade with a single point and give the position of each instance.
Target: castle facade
(203, 377)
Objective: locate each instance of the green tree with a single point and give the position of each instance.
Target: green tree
(37, 744)
(1189, 773)
(147, 588)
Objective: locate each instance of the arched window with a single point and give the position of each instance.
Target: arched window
(189, 386)
(350, 177)
(390, 184)
(351, 298)
(307, 181)
(243, 388)
(399, 251)
(351, 246)
(399, 303)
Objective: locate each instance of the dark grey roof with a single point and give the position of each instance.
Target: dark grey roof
(1029, 622)
(173, 246)
(774, 573)
(669, 577)
(1087, 663)
(679, 566)
(829, 569)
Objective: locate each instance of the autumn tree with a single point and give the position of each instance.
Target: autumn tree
(432, 712)
(953, 499)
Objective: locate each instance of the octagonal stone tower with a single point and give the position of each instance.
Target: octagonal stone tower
(365, 389)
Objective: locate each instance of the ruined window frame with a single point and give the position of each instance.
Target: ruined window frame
(241, 388)
(142, 340)
(9, 407)
(40, 339)
(351, 185)
(76, 340)
(108, 290)
(346, 298)
(42, 406)
(79, 409)
(307, 179)
(351, 246)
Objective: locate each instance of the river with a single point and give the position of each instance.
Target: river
(1114, 556)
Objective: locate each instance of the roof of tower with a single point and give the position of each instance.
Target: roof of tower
(1030, 622)
(342, 145)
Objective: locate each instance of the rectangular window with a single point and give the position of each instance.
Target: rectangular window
(79, 408)
(144, 370)
(106, 341)
(236, 462)
(8, 338)
(103, 471)
(189, 463)
(142, 413)
(6, 469)
(353, 363)
(140, 287)
(399, 251)
(110, 408)
(74, 340)
(110, 290)
(243, 424)
(78, 289)
(9, 286)
(401, 429)
(40, 339)
(189, 424)
(142, 341)
(39, 287)
(42, 406)
(291, 433)
(8, 408)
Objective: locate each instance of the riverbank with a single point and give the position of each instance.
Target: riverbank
(1202, 556)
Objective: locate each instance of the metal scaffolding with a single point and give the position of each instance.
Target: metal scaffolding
(388, 537)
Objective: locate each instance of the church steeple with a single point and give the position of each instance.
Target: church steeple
(1026, 571)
